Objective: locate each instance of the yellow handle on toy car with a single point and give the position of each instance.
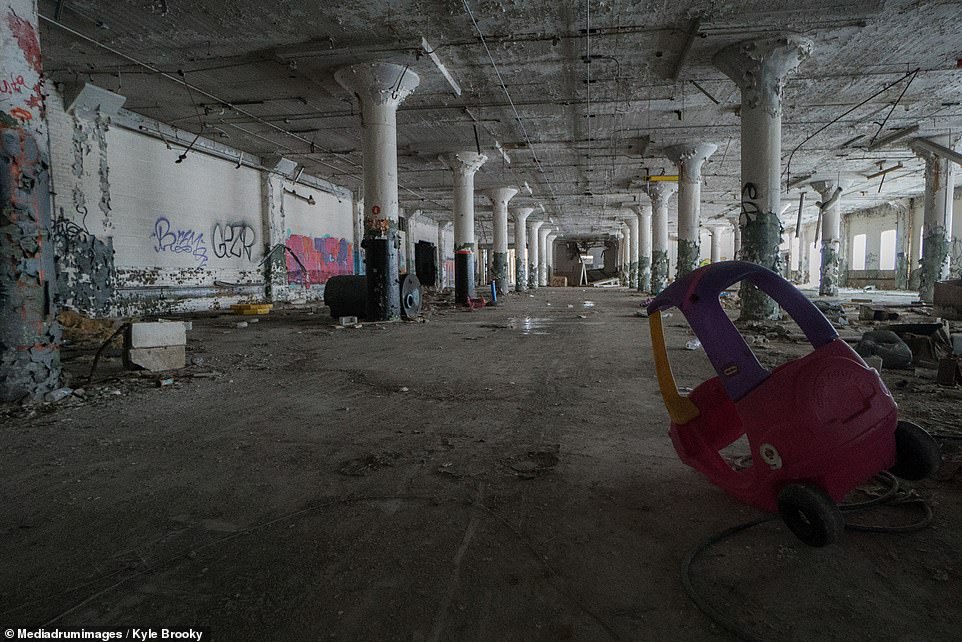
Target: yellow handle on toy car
(680, 409)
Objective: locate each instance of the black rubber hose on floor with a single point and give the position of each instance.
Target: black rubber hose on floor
(891, 496)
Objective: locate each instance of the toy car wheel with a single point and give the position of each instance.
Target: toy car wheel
(811, 514)
(917, 453)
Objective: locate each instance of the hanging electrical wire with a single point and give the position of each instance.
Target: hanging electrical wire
(507, 94)
(788, 167)
(228, 104)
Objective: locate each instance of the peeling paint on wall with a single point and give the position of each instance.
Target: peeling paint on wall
(29, 334)
(101, 125)
(85, 269)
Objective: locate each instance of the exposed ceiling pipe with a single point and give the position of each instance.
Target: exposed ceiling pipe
(507, 95)
(693, 27)
(430, 52)
(938, 150)
(894, 136)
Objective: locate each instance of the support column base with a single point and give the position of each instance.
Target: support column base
(383, 295)
(464, 286)
(500, 269)
(935, 253)
(659, 271)
(644, 274)
(521, 277)
(688, 254)
(761, 236)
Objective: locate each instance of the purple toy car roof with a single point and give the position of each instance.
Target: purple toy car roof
(696, 295)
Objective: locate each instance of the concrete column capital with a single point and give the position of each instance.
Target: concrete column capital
(689, 158)
(500, 196)
(759, 68)
(828, 187)
(378, 83)
(536, 225)
(520, 214)
(660, 192)
(463, 163)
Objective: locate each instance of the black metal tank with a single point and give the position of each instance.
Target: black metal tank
(346, 296)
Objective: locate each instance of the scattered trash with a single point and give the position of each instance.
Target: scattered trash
(929, 342)
(693, 344)
(404, 389)
(887, 345)
(347, 322)
(241, 324)
(948, 373)
(874, 313)
(57, 395)
(165, 382)
(875, 362)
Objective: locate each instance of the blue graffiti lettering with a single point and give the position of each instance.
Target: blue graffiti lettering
(179, 241)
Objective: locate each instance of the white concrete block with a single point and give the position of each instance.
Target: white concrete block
(157, 359)
(157, 335)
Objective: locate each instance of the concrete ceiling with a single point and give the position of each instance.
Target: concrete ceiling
(590, 143)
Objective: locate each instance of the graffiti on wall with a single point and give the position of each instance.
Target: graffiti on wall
(234, 240)
(323, 257)
(179, 241)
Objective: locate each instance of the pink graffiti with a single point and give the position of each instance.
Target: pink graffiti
(27, 40)
(323, 258)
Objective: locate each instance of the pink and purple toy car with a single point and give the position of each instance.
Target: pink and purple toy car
(817, 426)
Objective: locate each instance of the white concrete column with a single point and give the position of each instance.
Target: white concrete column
(689, 158)
(643, 214)
(380, 87)
(873, 248)
(534, 228)
(830, 191)
(442, 252)
(634, 245)
(660, 194)
(409, 241)
(939, 187)
(520, 216)
(715, 244)
(499, 197)
(759, 68)
(464, 165)
(804, 254)
(549, 261)
(30, 337)
(543, 256)
(625, 253)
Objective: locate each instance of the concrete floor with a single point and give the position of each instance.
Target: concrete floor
(502, 474)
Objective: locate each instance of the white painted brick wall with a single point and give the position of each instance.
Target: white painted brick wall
(208, 214)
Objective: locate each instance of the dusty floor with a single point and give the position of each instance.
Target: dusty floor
(502, 474)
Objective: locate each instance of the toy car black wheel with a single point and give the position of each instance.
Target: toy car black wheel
(811, 514)
(917, 453)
